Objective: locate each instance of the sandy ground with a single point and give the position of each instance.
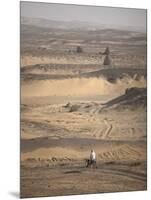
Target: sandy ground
(77, 179)
(66, 111)
(56, 142)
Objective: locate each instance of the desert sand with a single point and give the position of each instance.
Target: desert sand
(72, 103)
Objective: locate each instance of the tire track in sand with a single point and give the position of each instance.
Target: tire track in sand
(108, 130)
(105, 132)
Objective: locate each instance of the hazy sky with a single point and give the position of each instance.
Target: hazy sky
(94, 14)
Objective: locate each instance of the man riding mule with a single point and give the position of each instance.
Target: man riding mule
(92, 161)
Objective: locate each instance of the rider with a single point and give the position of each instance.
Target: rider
(93, 157)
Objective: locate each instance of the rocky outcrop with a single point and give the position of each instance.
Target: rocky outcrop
(133, 98)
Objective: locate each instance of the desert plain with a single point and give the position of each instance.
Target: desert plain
(71, 103)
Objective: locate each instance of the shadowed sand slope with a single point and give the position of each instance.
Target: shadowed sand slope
(133, 97)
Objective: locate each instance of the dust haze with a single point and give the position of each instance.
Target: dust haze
(79, 87)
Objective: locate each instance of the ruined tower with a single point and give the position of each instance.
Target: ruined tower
(107, 59)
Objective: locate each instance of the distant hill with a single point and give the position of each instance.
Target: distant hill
(74, 24)
(45, 23)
